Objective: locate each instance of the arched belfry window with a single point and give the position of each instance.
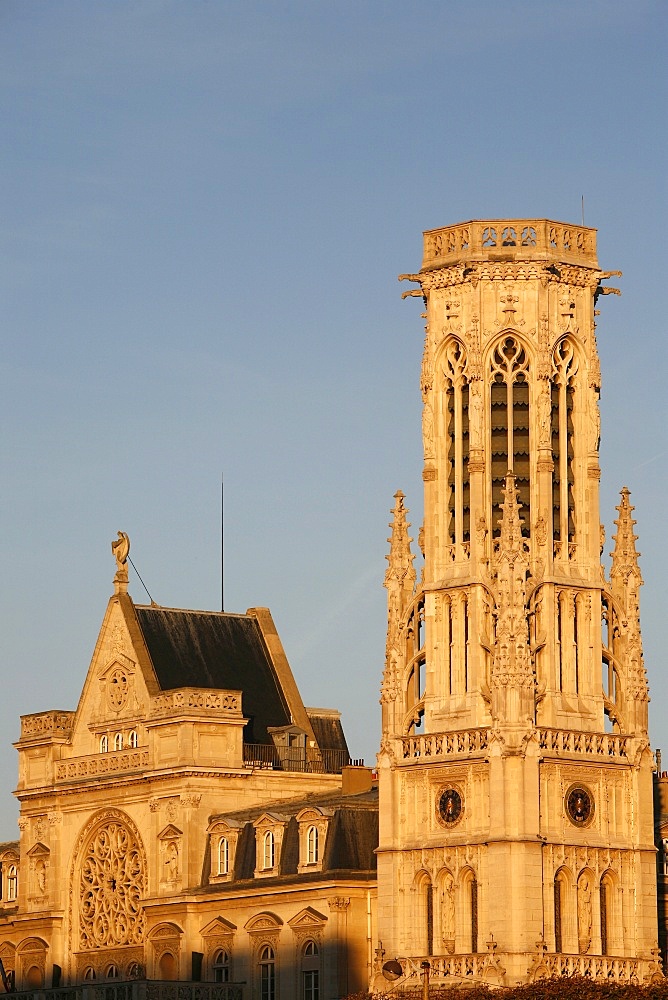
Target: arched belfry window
(564, 369)
(509, 423)
(456, 418)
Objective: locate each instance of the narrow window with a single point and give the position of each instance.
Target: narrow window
(104, 744)
(12, 882)
(223, 856)
(267, 974)
(429, 906)
(563, 477)
(89, 974)
(558, 938)
(310, 972)
(118, 741)
(312, 853)
(133, 739)
(604, 916)
(112, 972)
(474, 915)
(457, 444)
(221, 967)
(268, 850)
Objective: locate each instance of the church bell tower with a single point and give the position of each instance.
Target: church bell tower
(516, 830)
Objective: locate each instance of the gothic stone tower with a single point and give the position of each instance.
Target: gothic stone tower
(515, 770)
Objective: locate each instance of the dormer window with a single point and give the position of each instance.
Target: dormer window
(118, 741)
(221, 967)
(12, 883)
(104, 744)
(269, 832)
(223, 839)
(268, 850)
(223, 856)
(312, 846)
(313, 825)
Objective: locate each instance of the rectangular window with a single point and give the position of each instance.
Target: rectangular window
(311, 985)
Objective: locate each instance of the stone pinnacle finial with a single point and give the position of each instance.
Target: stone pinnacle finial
(625, 555)
(400, 571)
(510, 521)
(121, 551)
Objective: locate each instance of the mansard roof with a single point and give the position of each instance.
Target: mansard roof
(350, 845)
(215, 650)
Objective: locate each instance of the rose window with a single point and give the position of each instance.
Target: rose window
(111, 888)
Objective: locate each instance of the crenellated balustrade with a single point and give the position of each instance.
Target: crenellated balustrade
(45, 725)
(102, 764)
(463, 743)
(595, 745)
(139, 989)
(496, 238)
(196, 701)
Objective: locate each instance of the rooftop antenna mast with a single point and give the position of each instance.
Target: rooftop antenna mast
(222, 543)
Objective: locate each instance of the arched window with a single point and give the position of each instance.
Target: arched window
(510, 421)
(104, 744)
(12, 882)
(268, 850)
(89, 974)
(312, 846)
(310, 972)
(133, 739)
(221, 967)
(425, 915)
(562, 397)
(134, 971)
(267, 974)
(112, 972)
(664, 856)
(118, 741)
(223, 856)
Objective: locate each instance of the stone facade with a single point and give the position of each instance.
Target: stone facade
(192, 821)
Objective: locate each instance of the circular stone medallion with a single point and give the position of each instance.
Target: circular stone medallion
(579, 805)
(449, 806)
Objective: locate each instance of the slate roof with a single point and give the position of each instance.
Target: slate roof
(216, 650)
(327, 729)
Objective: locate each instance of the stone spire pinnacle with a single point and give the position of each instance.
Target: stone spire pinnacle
(400, 584)
(400, 576)
(625, 554)
(625, 583)
(512, 676)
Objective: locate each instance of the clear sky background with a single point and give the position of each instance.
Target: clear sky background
(205, 207)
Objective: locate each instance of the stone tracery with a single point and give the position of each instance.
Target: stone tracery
(111, 887)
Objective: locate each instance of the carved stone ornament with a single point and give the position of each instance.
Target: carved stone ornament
(579, 803)
(111, 886)
(449, 806)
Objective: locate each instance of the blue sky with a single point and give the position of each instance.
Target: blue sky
(205, 210)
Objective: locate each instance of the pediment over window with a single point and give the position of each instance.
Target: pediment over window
(307, 918)
(170, 832)
(217, 927)
(165, 930)
(224, 826)
(39, 851)
(270, 819)
(263, 922)
(313, 813)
